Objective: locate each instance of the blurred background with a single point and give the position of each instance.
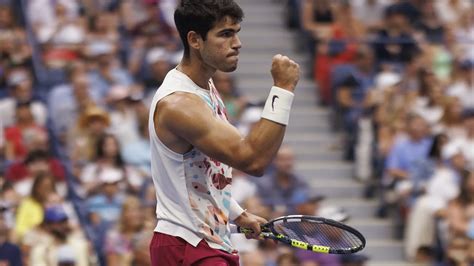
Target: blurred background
(381, 134)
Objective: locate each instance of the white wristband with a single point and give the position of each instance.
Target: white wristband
(278, 105)
(235, 209)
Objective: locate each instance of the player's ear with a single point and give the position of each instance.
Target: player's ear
(194, 40)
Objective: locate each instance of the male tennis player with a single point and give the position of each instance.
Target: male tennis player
(194, 147)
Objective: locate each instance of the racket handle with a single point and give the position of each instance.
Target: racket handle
(234, 229)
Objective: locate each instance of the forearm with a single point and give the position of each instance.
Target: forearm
(263, 141)
(265, 138)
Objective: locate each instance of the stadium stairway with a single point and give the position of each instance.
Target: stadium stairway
(309, 133)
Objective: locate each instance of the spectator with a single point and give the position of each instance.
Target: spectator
(141, 255)
(61, 245)
(123, 118)
(137, 153)
(21, 135)
(352, 96)
(287, 259)
(467, 141)
(21, 90)
(450, 10)
(10, 253)
(370, 12)
(119, 242)
(37, 162)
(109, 164)
(317, 17)
(91, 124)
(463, 32)
(62, 37)
(14, 46)
(234, 103)
(106, 70)
(106, 205)
(394, 44)
(304, 202)
(66, 101)
(432, 110)
(460, 249)
(30, 211)
(408, 152)
(158, 64)
(451, 122)
(242, 187)
(278, 186)
(463, 88)
(430, 24)
(103, 29)
(441, 188)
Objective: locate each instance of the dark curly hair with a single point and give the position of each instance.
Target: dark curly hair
(202, 15)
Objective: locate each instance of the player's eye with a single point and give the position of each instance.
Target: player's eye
(227, 34)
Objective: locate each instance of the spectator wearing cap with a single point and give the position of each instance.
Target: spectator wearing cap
(21, 91)
(463, 88)
(22, 135)
(109, 167)
(107, 70)
(60, 245)
(123, 118)
(106, 205)
(158, 62)
(280, 183)
(91, 124)
(30, 211)
(10, 253)
(66, 101)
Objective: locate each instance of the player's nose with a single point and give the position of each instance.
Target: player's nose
(236, 44)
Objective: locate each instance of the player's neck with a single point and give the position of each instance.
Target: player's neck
(197, 71)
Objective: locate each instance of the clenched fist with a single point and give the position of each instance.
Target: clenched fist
(285, 72)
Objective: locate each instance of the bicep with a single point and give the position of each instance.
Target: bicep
(200, 128)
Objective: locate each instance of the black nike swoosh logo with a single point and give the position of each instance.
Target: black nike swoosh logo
(273, 102)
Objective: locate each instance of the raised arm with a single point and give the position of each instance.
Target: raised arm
(185, 118)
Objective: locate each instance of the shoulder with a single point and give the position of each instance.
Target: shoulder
(181, 105)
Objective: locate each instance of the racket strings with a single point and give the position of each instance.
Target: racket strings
(320, 234)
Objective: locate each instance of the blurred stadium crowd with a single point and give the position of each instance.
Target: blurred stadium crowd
(76, 77)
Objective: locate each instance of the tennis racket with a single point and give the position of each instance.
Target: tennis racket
(312, 233)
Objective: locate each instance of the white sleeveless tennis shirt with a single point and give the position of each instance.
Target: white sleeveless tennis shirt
(192, 189)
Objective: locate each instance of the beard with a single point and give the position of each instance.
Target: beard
(219, 62)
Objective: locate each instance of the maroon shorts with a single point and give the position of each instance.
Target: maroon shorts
(173, 251)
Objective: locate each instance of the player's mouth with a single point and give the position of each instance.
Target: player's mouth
(236, 54)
